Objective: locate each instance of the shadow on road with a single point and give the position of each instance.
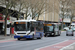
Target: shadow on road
(28, 39)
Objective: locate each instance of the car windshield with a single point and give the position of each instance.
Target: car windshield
(66, 27)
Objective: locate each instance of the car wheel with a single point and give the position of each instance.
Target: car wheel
(18, 38)
(72, 35)
(66, 34)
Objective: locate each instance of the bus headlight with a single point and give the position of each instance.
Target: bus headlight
(14, 33)
(28, 33)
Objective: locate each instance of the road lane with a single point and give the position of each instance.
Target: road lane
(33, 44)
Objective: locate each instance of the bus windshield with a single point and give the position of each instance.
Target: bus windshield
(20, 27)
(48, 28)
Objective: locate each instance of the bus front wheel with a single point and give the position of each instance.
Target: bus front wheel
(18, 39)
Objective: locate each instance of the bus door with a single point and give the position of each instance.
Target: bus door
(33, 28)
(38, 28)
(57, 31)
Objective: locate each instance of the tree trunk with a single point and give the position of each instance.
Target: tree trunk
(18, 17)
(38, 17)
(70, 22)
(5, 30)
(26, 16)
(62, 24)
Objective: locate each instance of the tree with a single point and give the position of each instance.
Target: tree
(38, 7)
(55, 8)
(67, 9)
(34, 8)
(72, 9)
(8, 4)
(26, 8)
(63, 9)
(19, 7)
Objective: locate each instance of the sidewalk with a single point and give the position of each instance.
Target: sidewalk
(2, 37)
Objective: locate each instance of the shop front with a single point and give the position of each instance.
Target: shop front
(1, 24)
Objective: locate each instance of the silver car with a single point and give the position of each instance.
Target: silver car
(66, 28)
(70, 32)
(73, 28)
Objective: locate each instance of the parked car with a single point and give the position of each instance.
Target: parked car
(72, 24)
(73, 28)
(66, 28)
(69, 32)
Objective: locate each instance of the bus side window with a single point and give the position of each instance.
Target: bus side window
(32, 28)
(39, 27)
(28, 25)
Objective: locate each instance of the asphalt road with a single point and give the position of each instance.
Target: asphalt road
(34, 44)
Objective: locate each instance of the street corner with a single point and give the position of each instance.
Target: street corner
(60, 46)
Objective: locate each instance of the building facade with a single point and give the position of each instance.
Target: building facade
(53, 15)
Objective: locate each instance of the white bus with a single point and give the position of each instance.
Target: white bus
(28, 29)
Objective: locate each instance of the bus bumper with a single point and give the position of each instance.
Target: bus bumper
(26, 36)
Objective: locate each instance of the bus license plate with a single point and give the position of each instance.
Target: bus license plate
(21, 36)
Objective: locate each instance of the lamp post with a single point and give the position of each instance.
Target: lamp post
(44, 12)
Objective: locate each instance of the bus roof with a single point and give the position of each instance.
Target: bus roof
(24, 20)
